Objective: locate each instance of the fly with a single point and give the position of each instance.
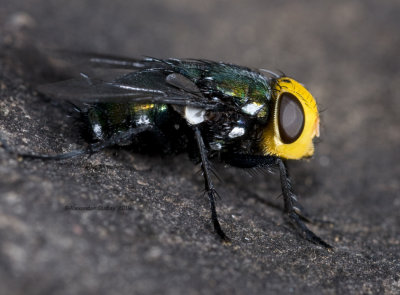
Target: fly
(244, 117)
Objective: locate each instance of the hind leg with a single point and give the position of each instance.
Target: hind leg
(91, 149)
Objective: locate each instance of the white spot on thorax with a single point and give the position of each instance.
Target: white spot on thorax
(216, 146)
(143, 120)
(194, 115)
(252, 108)
(97, 130)
(236, 132)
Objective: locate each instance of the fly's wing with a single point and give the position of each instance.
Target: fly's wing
(147, 86)
(198, 83)
(108, 61)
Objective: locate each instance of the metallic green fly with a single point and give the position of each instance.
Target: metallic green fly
(212, 110)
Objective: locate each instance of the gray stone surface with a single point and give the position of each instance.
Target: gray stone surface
(346, 52)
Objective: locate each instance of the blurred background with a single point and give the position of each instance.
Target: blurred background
(345, 52)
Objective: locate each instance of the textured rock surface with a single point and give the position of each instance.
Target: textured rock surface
(162, 242)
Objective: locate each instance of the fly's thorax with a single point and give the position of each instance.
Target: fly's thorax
(294, 123)
(229, 131)
(249, 90)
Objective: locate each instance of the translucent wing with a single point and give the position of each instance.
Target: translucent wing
(147, 86)
(105, 60)
(164, 81)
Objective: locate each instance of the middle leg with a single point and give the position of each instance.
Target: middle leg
(210, 190)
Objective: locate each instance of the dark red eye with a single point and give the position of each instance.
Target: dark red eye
(291, 118)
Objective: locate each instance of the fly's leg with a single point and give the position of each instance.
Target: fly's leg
(71, 154)
(293, 209)
(91, 149)
(208, 184)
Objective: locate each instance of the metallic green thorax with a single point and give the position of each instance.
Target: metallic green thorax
(241, 84)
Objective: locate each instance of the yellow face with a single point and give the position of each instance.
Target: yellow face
(295, 121)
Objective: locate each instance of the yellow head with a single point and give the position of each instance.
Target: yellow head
(294, 124)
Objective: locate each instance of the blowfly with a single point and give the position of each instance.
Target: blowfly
(245, 118)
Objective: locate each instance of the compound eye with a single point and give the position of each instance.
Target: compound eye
(291, 118)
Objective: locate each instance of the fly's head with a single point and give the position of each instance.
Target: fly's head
(294, 122)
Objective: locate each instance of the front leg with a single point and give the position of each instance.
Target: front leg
(208, 184)
(293, 208)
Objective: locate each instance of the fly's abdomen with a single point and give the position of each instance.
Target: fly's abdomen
(107, 119)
